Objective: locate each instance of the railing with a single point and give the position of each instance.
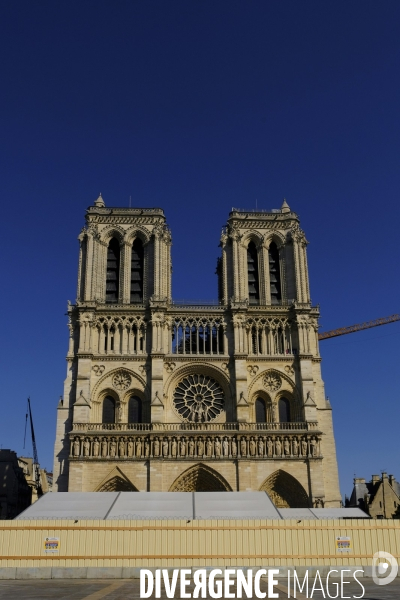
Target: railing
(257, 210)
(196, 302)
(232, 426)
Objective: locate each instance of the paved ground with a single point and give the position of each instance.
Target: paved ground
(64, 589)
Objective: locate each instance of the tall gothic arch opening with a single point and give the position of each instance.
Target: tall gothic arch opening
(252, 274)
(137, 271)
(274, 274)
(284, 410)
(112, 276)
(134, 410)
(108, 410)
(285, 491)
(263, 410)
(200, 478)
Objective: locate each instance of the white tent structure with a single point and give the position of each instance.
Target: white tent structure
(173, 505)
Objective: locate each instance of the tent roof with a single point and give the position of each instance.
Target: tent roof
(173, 505)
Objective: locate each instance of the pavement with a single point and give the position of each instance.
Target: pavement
(128, 589)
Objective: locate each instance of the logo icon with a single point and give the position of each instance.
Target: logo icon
(381, 562)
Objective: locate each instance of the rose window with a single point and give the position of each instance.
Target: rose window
(198, 399)
(272, 382)
(121, 381)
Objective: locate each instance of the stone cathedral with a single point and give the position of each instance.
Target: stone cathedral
(161, 396)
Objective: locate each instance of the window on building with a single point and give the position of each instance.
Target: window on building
(274, 274)
(284, 410)
(134, 410)
(260, 411)
(108, 410)
(112, 277)
(252, 274)
(137, 272)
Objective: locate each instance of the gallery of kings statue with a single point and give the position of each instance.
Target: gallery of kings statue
(165, 396)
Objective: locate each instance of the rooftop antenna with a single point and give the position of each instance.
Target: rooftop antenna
(256, 204)
(130, 201)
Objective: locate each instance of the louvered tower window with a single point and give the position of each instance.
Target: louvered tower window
(112, 279)
(137, 272)
(108, 410)
(252, 273)
(134, 410)
(274, 274)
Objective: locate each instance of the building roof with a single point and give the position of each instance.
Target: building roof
(362, 488)
(172, 505)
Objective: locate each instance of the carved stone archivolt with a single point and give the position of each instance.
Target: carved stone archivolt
(200, 478)
(285, 491)
(198, 399)
(215, 446)
(107, 381)
(270, 380)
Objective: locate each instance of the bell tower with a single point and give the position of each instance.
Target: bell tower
(124, 277)
(124, 256)
(264, 260)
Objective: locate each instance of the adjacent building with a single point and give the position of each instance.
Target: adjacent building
(162, 396)
(46, 479)
(15, 493)
(380, 497)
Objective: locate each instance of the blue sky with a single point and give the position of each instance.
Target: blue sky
(196, 107)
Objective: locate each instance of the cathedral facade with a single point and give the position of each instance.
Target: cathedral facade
(161, 396)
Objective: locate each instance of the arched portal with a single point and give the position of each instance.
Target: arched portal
(200, 478)
(116, 481)
(117, 484)
(285, 491)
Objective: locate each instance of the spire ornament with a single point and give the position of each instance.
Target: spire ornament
(99, 202)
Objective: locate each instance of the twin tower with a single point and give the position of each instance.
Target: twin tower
(161, 396)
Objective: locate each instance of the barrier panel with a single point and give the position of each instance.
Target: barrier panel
(177, 543)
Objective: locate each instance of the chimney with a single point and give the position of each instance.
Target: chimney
(359, 480)
(391, 479)
(375, 479)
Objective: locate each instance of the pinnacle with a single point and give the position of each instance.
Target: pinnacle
(99, 201)
(285, 208)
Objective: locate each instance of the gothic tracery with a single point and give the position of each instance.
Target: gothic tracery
(198, 399)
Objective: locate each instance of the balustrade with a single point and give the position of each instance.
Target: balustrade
(196, 427)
